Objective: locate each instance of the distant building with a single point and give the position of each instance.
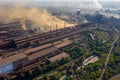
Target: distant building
(78, 14)
(81, 46)
(90, 59)
(92, 36)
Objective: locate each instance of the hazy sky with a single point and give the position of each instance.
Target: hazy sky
(55, 0)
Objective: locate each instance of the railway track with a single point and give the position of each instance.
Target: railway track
(52, 36)
(44, 37)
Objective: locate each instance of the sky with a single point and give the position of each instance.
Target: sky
(26, 1)
(53, 0)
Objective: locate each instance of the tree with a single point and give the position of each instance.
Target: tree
(69, 78)
(46, 77)
(39, 70)
(30, 72)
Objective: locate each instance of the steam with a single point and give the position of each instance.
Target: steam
(98, 5)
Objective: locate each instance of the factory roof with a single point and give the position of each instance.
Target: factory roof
(57, 42)
(32, 50)
(3, 32)
(64, 43)
(58, 57)
(42, 53)
(47, 49)
(13, 58)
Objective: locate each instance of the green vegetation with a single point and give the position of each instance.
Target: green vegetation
(72, 65)
(91, 71)
(102, 36)
(114, 63)
(30, 75)
(1, 54)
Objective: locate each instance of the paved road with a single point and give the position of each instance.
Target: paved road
(108, 57)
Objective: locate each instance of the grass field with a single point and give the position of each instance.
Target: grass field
(103, 36)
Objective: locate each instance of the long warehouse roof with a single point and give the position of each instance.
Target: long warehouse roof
(37, 48)
(12, 59)
(42, 53)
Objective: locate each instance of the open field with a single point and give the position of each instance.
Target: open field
(103, 36)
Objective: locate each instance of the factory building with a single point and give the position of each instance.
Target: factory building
(58, 57)
(3, 34)
(13, 62)
(78, 14)
(90, 59)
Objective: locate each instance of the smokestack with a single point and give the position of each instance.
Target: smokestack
(39, 30)
(65, 27)
(50, 28)
(56, 27)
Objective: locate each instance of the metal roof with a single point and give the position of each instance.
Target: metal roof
(31, 50)
(42, 53)
(58, 57)
(64, 43)
(13, 58)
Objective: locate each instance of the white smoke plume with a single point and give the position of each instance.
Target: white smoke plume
(98, 5)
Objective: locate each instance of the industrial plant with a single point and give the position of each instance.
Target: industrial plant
(59, 40)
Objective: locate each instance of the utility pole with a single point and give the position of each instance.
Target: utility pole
(39, 30)
(50, 29)
(56, 29)
(65, 27)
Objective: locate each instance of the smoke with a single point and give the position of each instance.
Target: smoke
(98, 5)
(23, 25)
(38, 16)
